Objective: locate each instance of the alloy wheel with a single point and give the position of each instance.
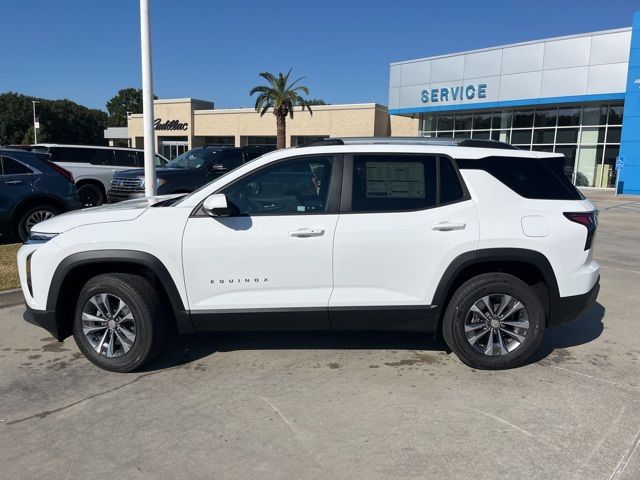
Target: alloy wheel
(37, 217)
(108, 325)
(496, 324)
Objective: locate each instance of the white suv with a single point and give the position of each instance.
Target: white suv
(476, 240)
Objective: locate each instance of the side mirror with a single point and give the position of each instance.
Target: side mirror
(216, 205)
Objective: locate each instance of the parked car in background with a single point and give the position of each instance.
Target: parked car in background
(32, 189)
(93, 166)
(184, 173)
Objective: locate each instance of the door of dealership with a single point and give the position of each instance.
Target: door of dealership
(174, 147)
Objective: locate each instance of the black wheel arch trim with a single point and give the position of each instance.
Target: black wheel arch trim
(489, 255)
(133, 257)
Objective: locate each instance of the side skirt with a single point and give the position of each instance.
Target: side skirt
(416, 318)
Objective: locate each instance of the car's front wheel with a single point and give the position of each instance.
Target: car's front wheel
(119, 323)
(494, 321)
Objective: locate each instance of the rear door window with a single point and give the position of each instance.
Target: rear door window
(393, 183)
(8, 166)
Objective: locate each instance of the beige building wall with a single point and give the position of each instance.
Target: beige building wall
(200, 120)
(404, 126)
(354, 120)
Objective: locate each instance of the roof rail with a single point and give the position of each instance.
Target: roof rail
(454, 142)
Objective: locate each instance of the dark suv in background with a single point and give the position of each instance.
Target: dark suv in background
(186, 172)
(32, 189)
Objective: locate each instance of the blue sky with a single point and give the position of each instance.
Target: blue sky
(86, 50)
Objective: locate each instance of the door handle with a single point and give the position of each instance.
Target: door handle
(307, 232)
(14, 182)
(448, 226)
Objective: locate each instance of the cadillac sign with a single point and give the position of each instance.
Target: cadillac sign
(169, 125)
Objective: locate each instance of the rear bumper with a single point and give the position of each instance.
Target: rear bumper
(114, 197)
(44, 319)
(566, 309)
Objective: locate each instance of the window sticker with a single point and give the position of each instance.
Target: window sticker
(395, 180)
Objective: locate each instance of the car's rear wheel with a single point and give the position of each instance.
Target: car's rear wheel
(494, 321)
(119, 323)
(91, 195)
(32, 217)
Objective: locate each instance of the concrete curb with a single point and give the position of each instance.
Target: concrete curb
(9, 298)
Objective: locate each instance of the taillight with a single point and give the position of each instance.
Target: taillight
(65, 173)
(589, 220)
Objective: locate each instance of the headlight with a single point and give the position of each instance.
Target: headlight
(39, 237)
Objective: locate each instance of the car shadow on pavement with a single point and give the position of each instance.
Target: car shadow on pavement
(184, 349)
(583, 330)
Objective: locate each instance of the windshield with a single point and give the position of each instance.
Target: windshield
(195, 158)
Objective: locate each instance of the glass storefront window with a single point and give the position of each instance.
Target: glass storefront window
(521, 137)
(613, 134)
(544, 135)
(569, 152)
(596, 115)
(429, 122)
(445, 122)
(567, 135)
(589, 160)
(615, 114)
(463, 122)
(500, 135)
(481, 134)
(592, 135)
(482, 121)
(462, 134)
(501, 120)
(609, 175)
(445, 134)
(568, 117)
(523, 118)
(546, 117)
(543, 148)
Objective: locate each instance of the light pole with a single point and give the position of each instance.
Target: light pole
(35, 127)
(147, 101)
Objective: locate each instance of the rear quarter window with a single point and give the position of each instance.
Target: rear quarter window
(534, 178)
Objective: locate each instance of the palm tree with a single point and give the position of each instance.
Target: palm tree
(282, 97)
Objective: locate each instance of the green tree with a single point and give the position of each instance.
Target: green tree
(281, 96)
(61, 121)
(126, 100)
(317, 101)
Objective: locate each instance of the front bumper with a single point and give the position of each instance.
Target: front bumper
(566, 309)
(46, 320)
(115, 196)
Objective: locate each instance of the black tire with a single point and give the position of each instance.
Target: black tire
(471, 292)
(146, 307)
(41, 212)
(91, 195)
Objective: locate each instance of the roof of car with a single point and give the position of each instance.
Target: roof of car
(440, 141)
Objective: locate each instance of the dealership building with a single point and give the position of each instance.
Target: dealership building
(184, 123)
(578, 95)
